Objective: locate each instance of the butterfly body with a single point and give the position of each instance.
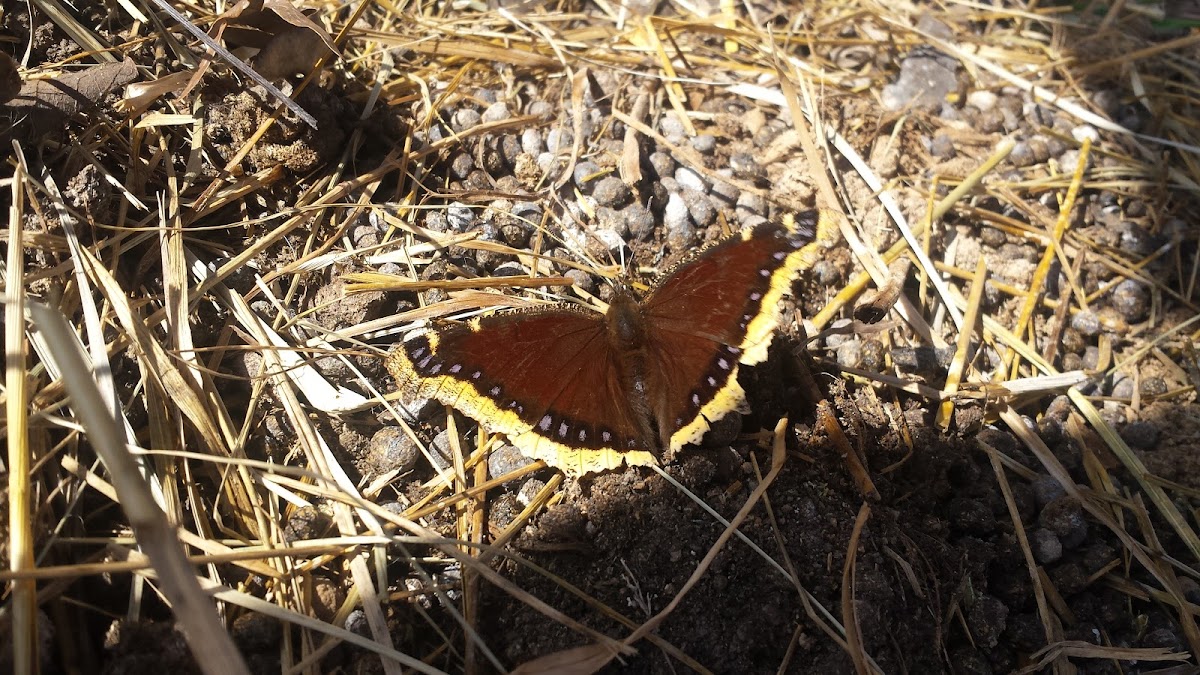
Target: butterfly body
(627, 338)
(588, 392)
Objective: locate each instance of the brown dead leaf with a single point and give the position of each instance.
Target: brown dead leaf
(45, 104)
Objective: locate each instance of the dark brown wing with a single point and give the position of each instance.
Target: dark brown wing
(545, 378)
(715, 310)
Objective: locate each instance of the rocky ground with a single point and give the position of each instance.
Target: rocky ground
(459, 159)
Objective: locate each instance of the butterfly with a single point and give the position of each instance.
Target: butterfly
(588, 392)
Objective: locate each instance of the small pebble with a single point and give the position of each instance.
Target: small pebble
(390, 449)
(611, 191)
(1085, 131)
(529, 490)
(503, 510)
(754, 120)
(542, 108)
(307, 522)
(1038, 114)
(1026, 632)
(982, 99)
(516, 234)
(681, 234)
(1045, 545)
(328, 596)
(1153, 386)
(639, 220)
(1135, 239)
(496, 112)
(530, 212)
(1024, 153)
(1133, 116)
(700, 207)
(436, 221)
(1064, 517)
(993, 237)
(546, 161)
(1070, 159)
(460, 217)
(745, 166)
(1108, 100)
(558, 139)
(1097, 555)
(1072, 341)
(613, 243)
(688, 177)
(585, 175)
(611, 219)
(1113, 414)
(531, 142)
(923, 83)
(835, 339)
(1190, 588)
(1087, 323)
(874, 355)
(725, 193)
(672, 129)
(663, 164)
(1046, 489)
(464, 118)
(1131, 299)
(1056, 147)
(440, 451)
(506, 459)
(1122, 387)
(750, 221)
(1164, 638)
(766, 136)
(581, 280)
(704, 144)
(1091, 357)
(849, 353)
(461, 165)
(255, 632)
(1060, 408)
(990, 121)
(510, 149)
(827, 273)
(749, 203)
(365, 235)
(508, 269)
(1024, 501)
(356, 622)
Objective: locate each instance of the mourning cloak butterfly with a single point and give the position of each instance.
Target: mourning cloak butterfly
(587, 392)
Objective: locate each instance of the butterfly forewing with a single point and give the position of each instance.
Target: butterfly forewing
(545, 378)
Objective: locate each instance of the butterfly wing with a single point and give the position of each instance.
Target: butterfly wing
(545, 378)
(716, 309)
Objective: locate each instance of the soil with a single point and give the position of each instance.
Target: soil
(941, 569)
